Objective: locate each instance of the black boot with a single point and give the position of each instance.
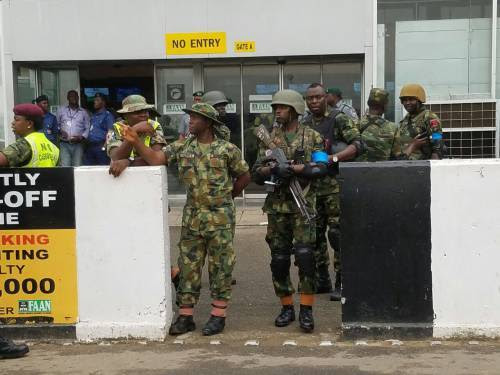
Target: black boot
(10, 350)
(306, 319)
(183, 324)
(285, 317)
(337, 292)
(323, 281)
(214, 325)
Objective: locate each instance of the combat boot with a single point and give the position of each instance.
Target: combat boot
(337, 292)
(285, 317)
(214, 325)
(323, 281)
(306, 319)
(183, 324)
(10, 350)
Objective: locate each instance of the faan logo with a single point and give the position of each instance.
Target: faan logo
(35, 306)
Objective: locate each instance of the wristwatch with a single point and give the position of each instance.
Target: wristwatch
(335, 159)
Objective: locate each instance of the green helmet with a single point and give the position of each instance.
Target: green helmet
(214, 97)
(291, 98)
(378, 96)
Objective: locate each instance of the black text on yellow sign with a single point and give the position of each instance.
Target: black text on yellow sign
(242, 46)
(195, 43)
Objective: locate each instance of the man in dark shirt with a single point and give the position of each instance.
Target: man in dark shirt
(100, 123)
(50, 126)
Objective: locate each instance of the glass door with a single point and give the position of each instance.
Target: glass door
(298, 77)
(347, 77)
(55, 83)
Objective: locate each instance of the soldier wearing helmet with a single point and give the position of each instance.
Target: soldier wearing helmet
(219, 101)
(420, 129)
(288, 232)
(337, 129)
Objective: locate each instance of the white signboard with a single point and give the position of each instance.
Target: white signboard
(173, 108)
(261, 108)
(231, 108)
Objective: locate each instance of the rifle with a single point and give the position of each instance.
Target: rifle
(277, 155)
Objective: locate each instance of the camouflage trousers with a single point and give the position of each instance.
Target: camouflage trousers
(194, 247)
(328, 210)
(283, 232)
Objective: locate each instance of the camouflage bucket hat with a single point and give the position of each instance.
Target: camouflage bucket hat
(134, 103)
(205, 110)
(378, 96)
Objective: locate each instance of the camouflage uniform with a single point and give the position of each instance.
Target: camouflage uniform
(286, 227)
(208, 216)
(18, 153)
(411, 126)
(380, 137)
(114, 138)
(335, 126)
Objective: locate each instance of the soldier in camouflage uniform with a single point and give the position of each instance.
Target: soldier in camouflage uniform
(207, 165)
(288, 232)
(135, 112)
(420, 130)
(342, 141)
(380, 137)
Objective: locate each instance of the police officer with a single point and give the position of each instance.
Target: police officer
(219, 101)
(101, 122)
(50, 125)
(32, 148)
(10, 350)
(342, 141)
(288, 232)
(214, 172)
(334, 100)
(420, 129)
(380, 137)
(135, 112)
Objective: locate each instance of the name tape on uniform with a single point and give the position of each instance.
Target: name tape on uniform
(195, 43)
(241, 46)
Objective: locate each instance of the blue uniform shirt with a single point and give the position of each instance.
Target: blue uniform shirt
(50, 127)
(100, 123)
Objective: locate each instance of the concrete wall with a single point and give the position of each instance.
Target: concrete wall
(465, 212)
(130, 29)
(123, 253)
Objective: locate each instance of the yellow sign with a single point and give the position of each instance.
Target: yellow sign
(195, 43)
(244, 46)
(38, 276)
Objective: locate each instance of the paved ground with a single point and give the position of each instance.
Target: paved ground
(251, 315)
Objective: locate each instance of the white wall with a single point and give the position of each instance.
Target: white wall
(465, 214)
(123, 253)
(129, 29)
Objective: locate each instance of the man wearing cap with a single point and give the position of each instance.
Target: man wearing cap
(100, 123)
(184, 125)
(380, 137)
(342, 142)
(50, 126)
(135, 112)
(74, 126)
(214, 173)
(420, 129)
(32, 148)
(334, 100)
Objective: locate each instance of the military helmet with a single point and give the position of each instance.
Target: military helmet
(413, 90)
(214, 97)
(378, 96)
(205, 110)
(291, 98)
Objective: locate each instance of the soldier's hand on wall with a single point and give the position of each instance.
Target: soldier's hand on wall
(118, 166)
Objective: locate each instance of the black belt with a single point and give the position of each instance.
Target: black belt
(70, 142)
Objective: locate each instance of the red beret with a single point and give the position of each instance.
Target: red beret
(28, 109)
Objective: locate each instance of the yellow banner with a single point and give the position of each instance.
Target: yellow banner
(195, 43)
(38, 276)
(244, 46)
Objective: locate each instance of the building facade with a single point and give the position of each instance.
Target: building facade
(166, 50)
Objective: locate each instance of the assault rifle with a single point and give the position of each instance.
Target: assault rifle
(276, 155)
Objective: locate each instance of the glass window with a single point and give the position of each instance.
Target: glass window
(56, 84)
(347, 77)
(443, 44)
(25, 85)
(299, 76)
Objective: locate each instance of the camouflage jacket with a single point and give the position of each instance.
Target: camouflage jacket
(114, 138)
(208, 177)
(380, 139)
(281, 200)
(335, 126)
(411, 126)
(18, 153)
